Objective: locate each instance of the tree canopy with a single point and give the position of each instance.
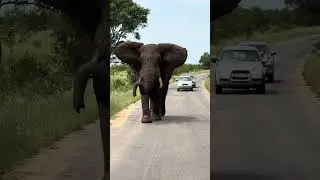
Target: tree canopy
(205, 60)
(220, 8)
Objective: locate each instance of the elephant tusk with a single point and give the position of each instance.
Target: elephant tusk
(160, 81)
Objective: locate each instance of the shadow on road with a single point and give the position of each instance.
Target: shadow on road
(240, 176)
(176, 119)
(248, 92)
(278, 81)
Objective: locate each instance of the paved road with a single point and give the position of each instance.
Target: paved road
(176, 148)
(272, 136)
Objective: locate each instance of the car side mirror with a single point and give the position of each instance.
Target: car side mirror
(176, 79)
(273, 53)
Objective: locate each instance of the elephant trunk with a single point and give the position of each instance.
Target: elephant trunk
(135, 86)
(81, 79)
(147, 83)
(80, 83)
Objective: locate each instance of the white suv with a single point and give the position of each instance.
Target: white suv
(184, 83)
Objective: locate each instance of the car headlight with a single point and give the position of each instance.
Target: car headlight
(256, 74)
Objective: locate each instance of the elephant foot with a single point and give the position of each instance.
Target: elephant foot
(163, 112)
(146, 119)
(104, 178)
(155, 117)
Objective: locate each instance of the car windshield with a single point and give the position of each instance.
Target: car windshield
(184, 79)
(262, 48)
(239, 55)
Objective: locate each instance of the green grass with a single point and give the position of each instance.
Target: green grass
(27, 125)
(270, 37)
(120, 100)
(311, 73)
(207, 84)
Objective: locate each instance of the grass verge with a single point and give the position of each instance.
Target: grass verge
(28, 125)
(311, 71)
(207, 84)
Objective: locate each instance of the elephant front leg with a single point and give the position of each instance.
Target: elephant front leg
(155, 104)
(146, 117)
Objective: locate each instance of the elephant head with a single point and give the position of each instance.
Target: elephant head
(152, 61)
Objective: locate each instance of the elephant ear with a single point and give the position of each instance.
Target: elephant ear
(129, 53)
(172, 55)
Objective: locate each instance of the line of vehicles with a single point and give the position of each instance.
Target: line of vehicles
(186, 82)
(245, 66)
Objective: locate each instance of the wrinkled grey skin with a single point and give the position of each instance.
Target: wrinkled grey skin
(155, 64)
(98, 70)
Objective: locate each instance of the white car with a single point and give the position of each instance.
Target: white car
(184, 83)
(240, 67)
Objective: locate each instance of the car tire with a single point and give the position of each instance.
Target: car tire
(271, 78)
(261, 89)
(218, 89)
(191, 89)
(178, 89)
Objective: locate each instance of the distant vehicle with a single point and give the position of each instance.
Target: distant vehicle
(267, 57)
(240, 67)
(184, 83)
(194, 83)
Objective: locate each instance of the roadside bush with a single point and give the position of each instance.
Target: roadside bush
(187, 68)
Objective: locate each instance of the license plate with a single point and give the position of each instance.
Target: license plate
(240, 75)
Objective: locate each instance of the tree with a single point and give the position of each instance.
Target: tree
(220, 8)
(126, 18)
(306, 11)
(205, 60)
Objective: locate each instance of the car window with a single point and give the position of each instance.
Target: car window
(184, 79)
(261, 48)
(239, 55)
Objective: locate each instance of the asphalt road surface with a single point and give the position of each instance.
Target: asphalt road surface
(272, 136)
(175, 148)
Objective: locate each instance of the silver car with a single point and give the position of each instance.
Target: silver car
(267, 57)
(184, 83)
(240, 67)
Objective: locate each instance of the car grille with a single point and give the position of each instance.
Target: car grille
(185, 84)
(240, 75)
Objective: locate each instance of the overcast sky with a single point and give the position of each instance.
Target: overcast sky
(182, 22)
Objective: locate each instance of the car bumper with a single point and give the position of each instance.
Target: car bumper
(240, 84)
(185, 87)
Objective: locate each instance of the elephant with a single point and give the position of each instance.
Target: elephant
(154, 64)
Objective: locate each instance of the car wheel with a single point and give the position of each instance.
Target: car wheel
(261, 89)
(178, 89)
(191, 89)
(218, 89)
(270, 78)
